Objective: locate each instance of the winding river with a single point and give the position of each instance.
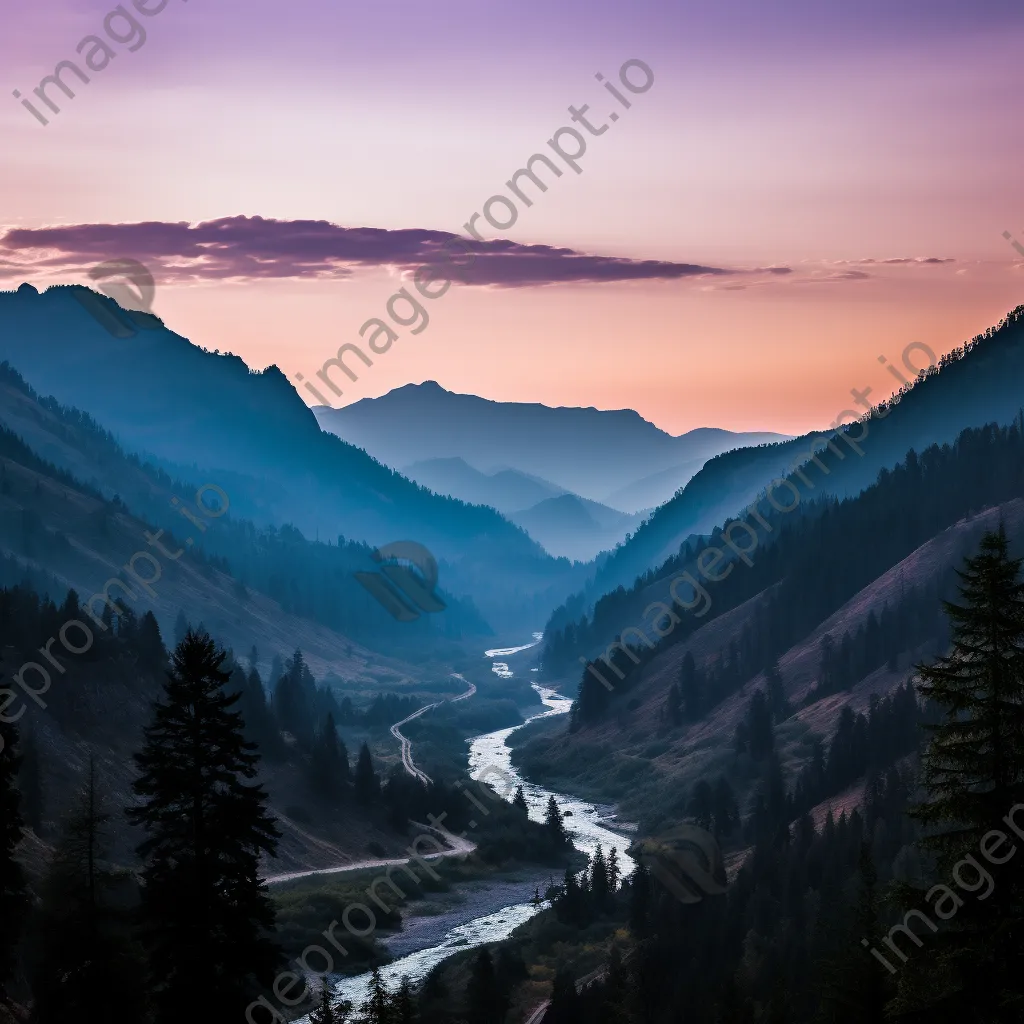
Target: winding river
(490, 757)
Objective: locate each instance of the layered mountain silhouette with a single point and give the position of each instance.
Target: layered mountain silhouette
(974, 384)
(507, 490)
(207, 416)
(562, 522)
(594, 453)
(575, 527)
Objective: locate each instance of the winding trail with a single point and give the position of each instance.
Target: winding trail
(458, 847)
(396, 730)
(407, 761)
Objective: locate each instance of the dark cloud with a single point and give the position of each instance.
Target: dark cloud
(247, 248)
(910, 259)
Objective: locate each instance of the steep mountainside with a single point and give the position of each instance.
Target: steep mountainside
(590, 452)
(312, 579)
(975, 384)
(837, 605)
(251, 435)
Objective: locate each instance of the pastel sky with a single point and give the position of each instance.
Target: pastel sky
(805, 186)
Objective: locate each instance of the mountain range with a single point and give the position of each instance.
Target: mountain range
(614, 457)
(206, 416)
(562, 522)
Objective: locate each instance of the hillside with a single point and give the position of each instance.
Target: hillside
(307, 578)
(575, 527)
(206, 414)
(832, 614)
(978, 383)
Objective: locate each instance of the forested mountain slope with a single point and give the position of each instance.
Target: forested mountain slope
(835, 607)
(308, 579)
(207, 414)
(975, 384)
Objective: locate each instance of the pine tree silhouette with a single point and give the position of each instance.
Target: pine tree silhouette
(13, 900)
(974, 774)
(207, 916)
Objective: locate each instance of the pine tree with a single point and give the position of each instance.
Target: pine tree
(327, 1011)
(555, 824)
(974, 774)
(599, 885)
(614, 871)
(366, 783)
(519, 801)
(639, 898)
(206, 912)
(674, 705)
(855, 984)
(329, 769)
(89, 966)
(150, 645)
(487, 1004)
(295, 700)
(377, 1008)
(13, 899)
(404, 1009)
(691, 688)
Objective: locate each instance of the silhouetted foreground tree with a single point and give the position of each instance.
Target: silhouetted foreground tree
(974, 773)
(12, 882)
(89, 966)
(207, 916)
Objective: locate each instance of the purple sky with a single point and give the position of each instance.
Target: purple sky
(284, 168)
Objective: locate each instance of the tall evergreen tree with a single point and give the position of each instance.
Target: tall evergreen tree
(974, 774)
(613, 870)
(487, 1003)
(207, 915)
(404, 1008)
(89, 967)
(149, 645)
(599, 885)
(639, 898)
(328, 1010)
(13, 900)
(519, 801)
(366, 783)
(377, 1008)
(555, 824)
(328, 763)
(690, 688)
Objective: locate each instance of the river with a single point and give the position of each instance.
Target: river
(587, 823)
